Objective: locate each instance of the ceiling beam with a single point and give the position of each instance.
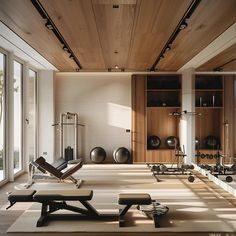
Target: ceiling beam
(224, 41)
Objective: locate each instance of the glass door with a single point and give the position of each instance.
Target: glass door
(2, 118)
(31, 114)
(18, 74)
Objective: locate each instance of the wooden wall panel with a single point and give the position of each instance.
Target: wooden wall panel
(138, 145)
(160, 156)
(208, 122)
(229, 114)
(160, 123)
(209, 20)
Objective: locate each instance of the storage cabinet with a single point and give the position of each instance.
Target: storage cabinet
(209, 101)
(163, 98)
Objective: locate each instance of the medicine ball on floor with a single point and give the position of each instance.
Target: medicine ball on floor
(154, 142)
(212, 142)
(121, 155)
(98, 155)
(172, 142)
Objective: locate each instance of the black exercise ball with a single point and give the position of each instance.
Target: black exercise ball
(121, 155)
(154, 142)
(172, 142)
(212, 142)
(98, 155)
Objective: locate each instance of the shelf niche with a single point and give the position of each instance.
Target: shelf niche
(163, 97)
(209, 101)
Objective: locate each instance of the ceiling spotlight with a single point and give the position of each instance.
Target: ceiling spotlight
(161, 56)
(49, 25)
(116, 67)
(65, 48)
(183, 25)
(71, 56)
(167, 48)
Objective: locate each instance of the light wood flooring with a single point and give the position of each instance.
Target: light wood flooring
(8, 217)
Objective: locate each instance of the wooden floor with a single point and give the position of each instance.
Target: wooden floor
(8, 217)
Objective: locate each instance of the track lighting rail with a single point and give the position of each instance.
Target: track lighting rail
(51, 26)
(181, 26)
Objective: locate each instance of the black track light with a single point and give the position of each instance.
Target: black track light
(183, 25)
(49, 25)
(65, 48)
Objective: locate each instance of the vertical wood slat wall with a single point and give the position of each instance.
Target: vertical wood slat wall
(138, 143)
(229, 107)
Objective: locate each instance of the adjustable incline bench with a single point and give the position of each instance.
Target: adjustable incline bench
(55, 170)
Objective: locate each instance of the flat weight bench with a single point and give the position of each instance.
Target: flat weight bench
(129, 199)
(54, 200)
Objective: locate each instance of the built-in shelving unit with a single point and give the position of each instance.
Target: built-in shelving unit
(163, 93)
(209, 102)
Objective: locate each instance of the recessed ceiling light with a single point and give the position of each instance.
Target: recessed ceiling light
(116, 67)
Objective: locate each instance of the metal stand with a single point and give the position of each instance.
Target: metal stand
(63, 122)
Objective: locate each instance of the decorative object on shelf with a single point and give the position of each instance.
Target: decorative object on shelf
(212, 142)
(172, 142)
(121, 155)
(98, 155)
(153, 142)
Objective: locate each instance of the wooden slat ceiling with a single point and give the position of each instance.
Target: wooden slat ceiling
(210, 19)
(127, 33)
(225, 61)
(24, 20)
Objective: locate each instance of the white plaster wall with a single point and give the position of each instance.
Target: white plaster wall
(46, 114)
(103, 103)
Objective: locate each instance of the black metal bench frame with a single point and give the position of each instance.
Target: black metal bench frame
(50, 206)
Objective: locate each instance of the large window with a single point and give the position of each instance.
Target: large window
(17, 116)
(2, 114)
(31, 114)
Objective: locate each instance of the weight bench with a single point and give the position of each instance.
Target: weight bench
(54, 200)
(129, 199)
(55, 170)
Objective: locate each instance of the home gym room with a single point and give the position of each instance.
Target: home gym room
(117, 117)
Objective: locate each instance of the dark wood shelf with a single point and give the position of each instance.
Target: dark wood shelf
(163, 90)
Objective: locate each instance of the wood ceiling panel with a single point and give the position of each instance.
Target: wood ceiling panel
(210, 19)
(22, 18)
(76, 22)
(226, 60)
(114, 27)
(154, 23)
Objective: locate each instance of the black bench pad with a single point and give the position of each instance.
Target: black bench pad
(21, 195)
(134, 199)
(64, 195)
